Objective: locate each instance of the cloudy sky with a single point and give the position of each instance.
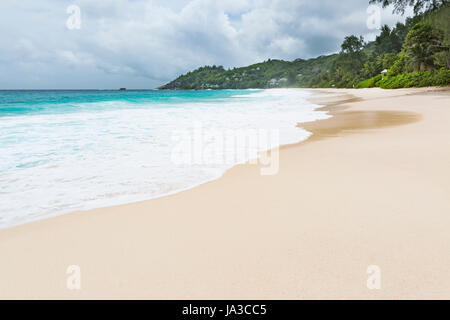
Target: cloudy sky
(145, 43)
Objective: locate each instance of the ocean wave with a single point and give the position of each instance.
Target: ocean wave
(120, 152)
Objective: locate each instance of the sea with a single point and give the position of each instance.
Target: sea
(69, 150)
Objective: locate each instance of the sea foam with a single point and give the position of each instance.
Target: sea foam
(79, 155)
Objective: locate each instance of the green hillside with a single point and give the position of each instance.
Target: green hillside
(415, 53)
(267, 74)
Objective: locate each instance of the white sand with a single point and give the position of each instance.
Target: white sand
(372, 190)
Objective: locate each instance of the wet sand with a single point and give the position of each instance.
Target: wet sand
(370, 187)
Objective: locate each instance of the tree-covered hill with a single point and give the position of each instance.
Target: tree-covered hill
(415, 53)
(267, 74)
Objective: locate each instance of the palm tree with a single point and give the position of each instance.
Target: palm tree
(421, 43)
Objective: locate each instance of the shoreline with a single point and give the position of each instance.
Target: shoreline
(174, 192)
(332, 104)
(247, 236)
(344, 121)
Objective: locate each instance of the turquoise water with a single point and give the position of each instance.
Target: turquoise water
(62, 151)
(28, 102)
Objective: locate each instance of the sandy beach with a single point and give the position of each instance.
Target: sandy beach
(370, 187)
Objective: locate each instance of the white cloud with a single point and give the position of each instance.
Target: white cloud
(143, 43)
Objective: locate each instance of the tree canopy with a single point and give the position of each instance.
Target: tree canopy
(418, 5)
(352, 44)
(421, 44)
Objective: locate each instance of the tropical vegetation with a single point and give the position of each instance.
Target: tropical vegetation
(411, 54)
